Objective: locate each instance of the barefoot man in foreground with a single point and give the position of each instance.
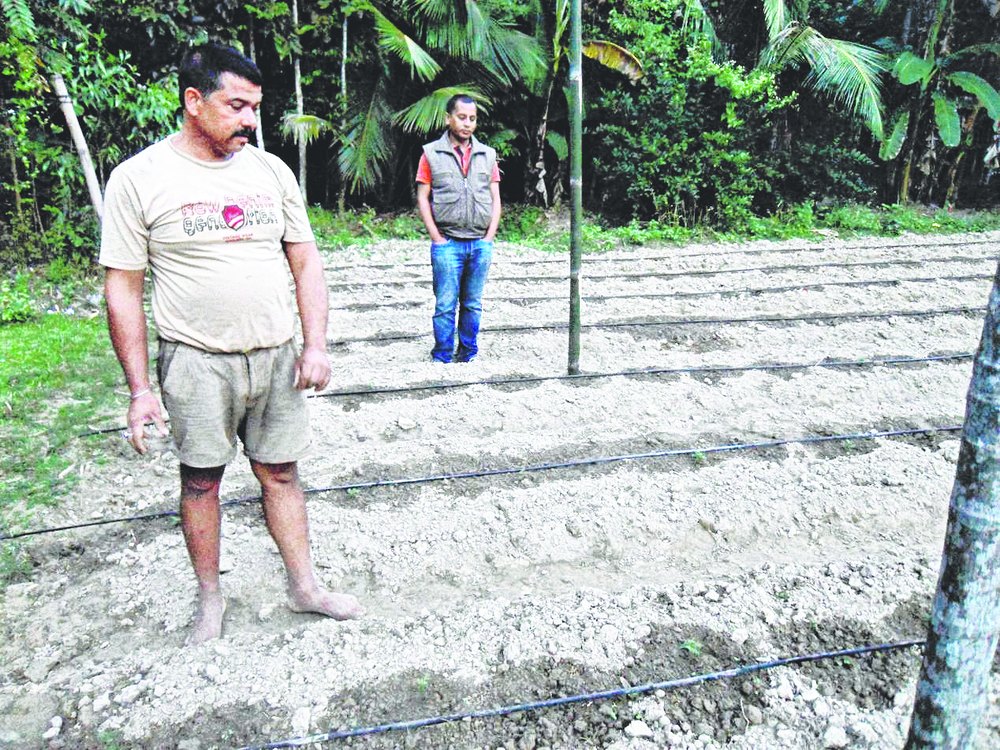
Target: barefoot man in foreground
(218, 222)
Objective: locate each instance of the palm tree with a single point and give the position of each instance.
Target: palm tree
(442, 48)
(846, 71)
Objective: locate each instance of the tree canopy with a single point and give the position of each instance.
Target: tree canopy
(696, 110)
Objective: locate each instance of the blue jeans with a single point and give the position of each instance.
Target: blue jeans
(460, 268)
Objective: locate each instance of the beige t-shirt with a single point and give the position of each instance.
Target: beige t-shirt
(211, 232)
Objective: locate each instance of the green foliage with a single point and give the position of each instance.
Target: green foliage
(44, 212)
(693, 647)
(361, 227)
(680, 147)
(892, 145)
(16, 302)
(979, 88)
(853, 220)
(910, 69)
(946, 116)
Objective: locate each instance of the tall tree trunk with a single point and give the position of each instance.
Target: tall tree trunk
(299, 105)
(936, 11)
(953, 690)
(66, 104)
(537, 190)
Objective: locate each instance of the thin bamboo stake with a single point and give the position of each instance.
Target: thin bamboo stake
(575, 180)
(299, 105)
(342, 190)
(260, 111)
(953, 691)
(87, 164)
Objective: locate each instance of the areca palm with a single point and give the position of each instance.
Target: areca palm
(436, 42)
(944, 89)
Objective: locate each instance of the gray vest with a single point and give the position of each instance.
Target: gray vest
(462, 204)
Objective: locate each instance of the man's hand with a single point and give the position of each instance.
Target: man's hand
(142, 411)
(312, 369)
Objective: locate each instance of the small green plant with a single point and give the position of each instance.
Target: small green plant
(783, 596)
(353, 492)
(110, 740)
(14, 562)
(423, 684)
(698, 457)
(692, 646)
(17, 304)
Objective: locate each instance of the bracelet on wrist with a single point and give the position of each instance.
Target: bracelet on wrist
(143, 392)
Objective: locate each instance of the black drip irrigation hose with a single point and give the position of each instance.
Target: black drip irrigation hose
(695, 295)
(424, 281)
(741, 671)
(703, 370)
(573, 463)
(685, 322)
(602, 257)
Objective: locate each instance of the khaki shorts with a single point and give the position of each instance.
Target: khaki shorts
(214, 398)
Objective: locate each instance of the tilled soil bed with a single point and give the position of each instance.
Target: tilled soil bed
(708, 496)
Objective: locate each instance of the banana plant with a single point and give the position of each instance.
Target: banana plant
(945, 89)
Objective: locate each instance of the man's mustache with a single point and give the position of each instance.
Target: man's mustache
(247, 133)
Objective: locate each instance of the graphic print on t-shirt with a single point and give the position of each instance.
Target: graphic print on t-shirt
(232, 212)
(234, 216)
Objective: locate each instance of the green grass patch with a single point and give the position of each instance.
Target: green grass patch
(357, 228)
(57, 374)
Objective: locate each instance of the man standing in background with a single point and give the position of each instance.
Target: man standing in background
(458, 196)
(220, 223)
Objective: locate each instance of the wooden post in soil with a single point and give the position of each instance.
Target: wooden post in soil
(575, 180)
(953, 690)
(86, 163)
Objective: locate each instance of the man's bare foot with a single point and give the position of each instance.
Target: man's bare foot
(208, 618)
(323, 602)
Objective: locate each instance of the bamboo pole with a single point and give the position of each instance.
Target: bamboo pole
(342, 188)
(953, 689)
(299, 104)
(260, 110)
(575, 180)
(87, 164)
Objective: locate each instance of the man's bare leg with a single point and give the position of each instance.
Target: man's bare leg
(285, 514)
(200, 520)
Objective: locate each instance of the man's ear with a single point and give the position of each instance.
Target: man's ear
(192, 101)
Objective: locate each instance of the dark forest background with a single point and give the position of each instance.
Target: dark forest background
(695, 112)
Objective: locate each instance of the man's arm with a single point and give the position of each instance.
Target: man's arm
(313, 367)
(491, 231)
(424, 206)
(127, 325)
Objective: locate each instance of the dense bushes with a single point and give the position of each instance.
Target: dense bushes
(722, 129)
(684, 144)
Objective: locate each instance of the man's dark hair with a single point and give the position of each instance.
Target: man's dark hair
(453, 102)
(202, 66)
